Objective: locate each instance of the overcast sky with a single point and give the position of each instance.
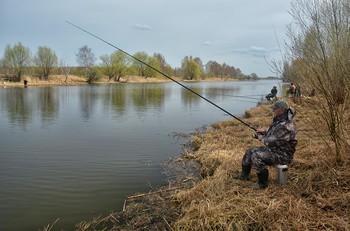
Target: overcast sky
(239, 33)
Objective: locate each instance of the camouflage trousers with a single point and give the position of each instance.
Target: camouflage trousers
(259, 157)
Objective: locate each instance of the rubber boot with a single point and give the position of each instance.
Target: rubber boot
(263, 177)
(245, 174)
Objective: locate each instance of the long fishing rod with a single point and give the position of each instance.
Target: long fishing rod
(243, 122)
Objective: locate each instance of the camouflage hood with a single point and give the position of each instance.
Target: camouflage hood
(282, 134)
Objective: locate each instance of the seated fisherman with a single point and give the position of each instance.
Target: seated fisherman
(279, 142)
(273, 93)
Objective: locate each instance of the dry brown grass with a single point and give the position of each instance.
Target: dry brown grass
(57, 80)
(52, 81)
(317, 196)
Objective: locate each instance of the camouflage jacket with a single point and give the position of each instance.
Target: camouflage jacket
(281, 137)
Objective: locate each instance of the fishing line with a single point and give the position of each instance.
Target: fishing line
(278, 43)
(242, 96)
(247, 101)
(233, 96)
(253, 95)
(243, 122)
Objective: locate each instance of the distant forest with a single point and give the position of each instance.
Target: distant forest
(18, 60)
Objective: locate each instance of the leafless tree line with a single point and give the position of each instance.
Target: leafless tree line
(318, 55)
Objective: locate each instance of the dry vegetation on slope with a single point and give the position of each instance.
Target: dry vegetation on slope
(317, 196)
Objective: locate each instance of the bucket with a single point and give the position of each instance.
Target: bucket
(282, 171)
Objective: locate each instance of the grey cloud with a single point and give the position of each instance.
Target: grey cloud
(254, 51)
(142, 27)
(207, 43)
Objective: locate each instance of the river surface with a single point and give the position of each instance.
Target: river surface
(76, 152)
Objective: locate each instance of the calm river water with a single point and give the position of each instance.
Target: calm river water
(76, 152)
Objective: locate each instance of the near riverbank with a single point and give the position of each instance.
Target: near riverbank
(204, 196)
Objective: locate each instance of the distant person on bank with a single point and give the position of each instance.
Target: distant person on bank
(273, 93)
(292, 90)
(279, 142)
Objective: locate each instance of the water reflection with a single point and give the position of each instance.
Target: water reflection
(88, 96)
(114, 98)
(48, 105)
(148, 95)
(221, 92)
(19, 106)
(189, 99)
(23, 105)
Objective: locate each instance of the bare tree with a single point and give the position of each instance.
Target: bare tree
(86, 59)
(319, 49)
(164, 66)
(65, 69)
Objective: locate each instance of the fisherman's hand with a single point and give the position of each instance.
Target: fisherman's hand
(258, 136)
(261, 132)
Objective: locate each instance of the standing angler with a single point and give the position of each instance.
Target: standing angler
(280, 141)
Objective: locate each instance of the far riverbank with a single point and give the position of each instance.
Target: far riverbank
(61, 80)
